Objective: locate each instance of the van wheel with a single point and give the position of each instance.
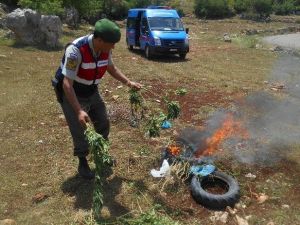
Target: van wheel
(148, 53)
(182, 55)
(130, 47)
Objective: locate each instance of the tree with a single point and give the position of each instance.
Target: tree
(211, 8)
(87, 9)
(44, 6)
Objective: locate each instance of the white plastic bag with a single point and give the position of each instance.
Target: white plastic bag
(163, 171)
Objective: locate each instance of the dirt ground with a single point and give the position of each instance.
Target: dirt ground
(39, 182)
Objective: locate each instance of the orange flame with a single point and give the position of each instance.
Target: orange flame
(173, 149)
(229, 128)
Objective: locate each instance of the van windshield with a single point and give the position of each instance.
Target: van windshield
(165, 23)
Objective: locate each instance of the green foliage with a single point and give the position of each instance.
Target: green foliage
(87, 9)
(156, 119)
(139, 3)
(10, 2)
(211, 8)
(241, 6)
(246, 41)
(230, 3)
(181, 91)
(254, 9)
(115, 8)
(284, 8)
(154, 124)
(99, 149)
(176, 4)
(49, 7)
(135, 98)
(262, 7)
(137, 106)
(119, 10)
(173, 110)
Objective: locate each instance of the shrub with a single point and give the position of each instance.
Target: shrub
(262, 7)
(10, 2)
(241, 6)
(139, 3)
(284, 8)
(88, 9)
(254, 9)
(119, 10)
(211, 8)
(44, 6)
(175, 4)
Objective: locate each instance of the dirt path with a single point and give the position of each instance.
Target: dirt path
(290, 41)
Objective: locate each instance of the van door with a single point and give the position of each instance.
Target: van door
(133, 29)
(145, 32)
(130, 31)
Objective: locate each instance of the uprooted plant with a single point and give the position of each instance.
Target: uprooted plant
(173, 109)
(136, 105)
(156, 120)
(99, 150)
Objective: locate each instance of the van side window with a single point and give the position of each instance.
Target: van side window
(145, 27)
(131, 23)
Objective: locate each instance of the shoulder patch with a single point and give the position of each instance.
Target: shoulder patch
(73, 56)
(71, 63)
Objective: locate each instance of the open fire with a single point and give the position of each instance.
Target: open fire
(230, 127)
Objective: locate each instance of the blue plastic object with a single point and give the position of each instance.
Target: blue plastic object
(202, 170)
(166, 124)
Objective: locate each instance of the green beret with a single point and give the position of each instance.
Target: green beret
(107, 30)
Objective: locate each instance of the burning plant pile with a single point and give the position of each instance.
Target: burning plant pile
(193, 145)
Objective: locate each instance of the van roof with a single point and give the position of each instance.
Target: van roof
(153, 12)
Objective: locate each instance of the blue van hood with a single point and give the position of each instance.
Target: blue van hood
(169, 34)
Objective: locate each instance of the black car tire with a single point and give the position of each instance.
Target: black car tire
(130, 47)
(215, 201)
(148, 52)
(182, 55)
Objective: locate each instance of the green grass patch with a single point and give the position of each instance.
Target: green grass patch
(246, 41)
(6, 41)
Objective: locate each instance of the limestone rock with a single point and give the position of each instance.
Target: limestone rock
(32, 28)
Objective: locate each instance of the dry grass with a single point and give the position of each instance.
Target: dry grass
(36, 150)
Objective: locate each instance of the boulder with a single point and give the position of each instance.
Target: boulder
(32, 28)
(51, 30)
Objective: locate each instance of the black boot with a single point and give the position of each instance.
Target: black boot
(84, 169)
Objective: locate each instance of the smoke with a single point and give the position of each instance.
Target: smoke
(272, 119)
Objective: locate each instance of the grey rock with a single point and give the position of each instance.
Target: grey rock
(32, 28)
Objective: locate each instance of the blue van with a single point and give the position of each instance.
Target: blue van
(157, 30)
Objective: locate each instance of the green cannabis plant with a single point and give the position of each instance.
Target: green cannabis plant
(99, 150)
